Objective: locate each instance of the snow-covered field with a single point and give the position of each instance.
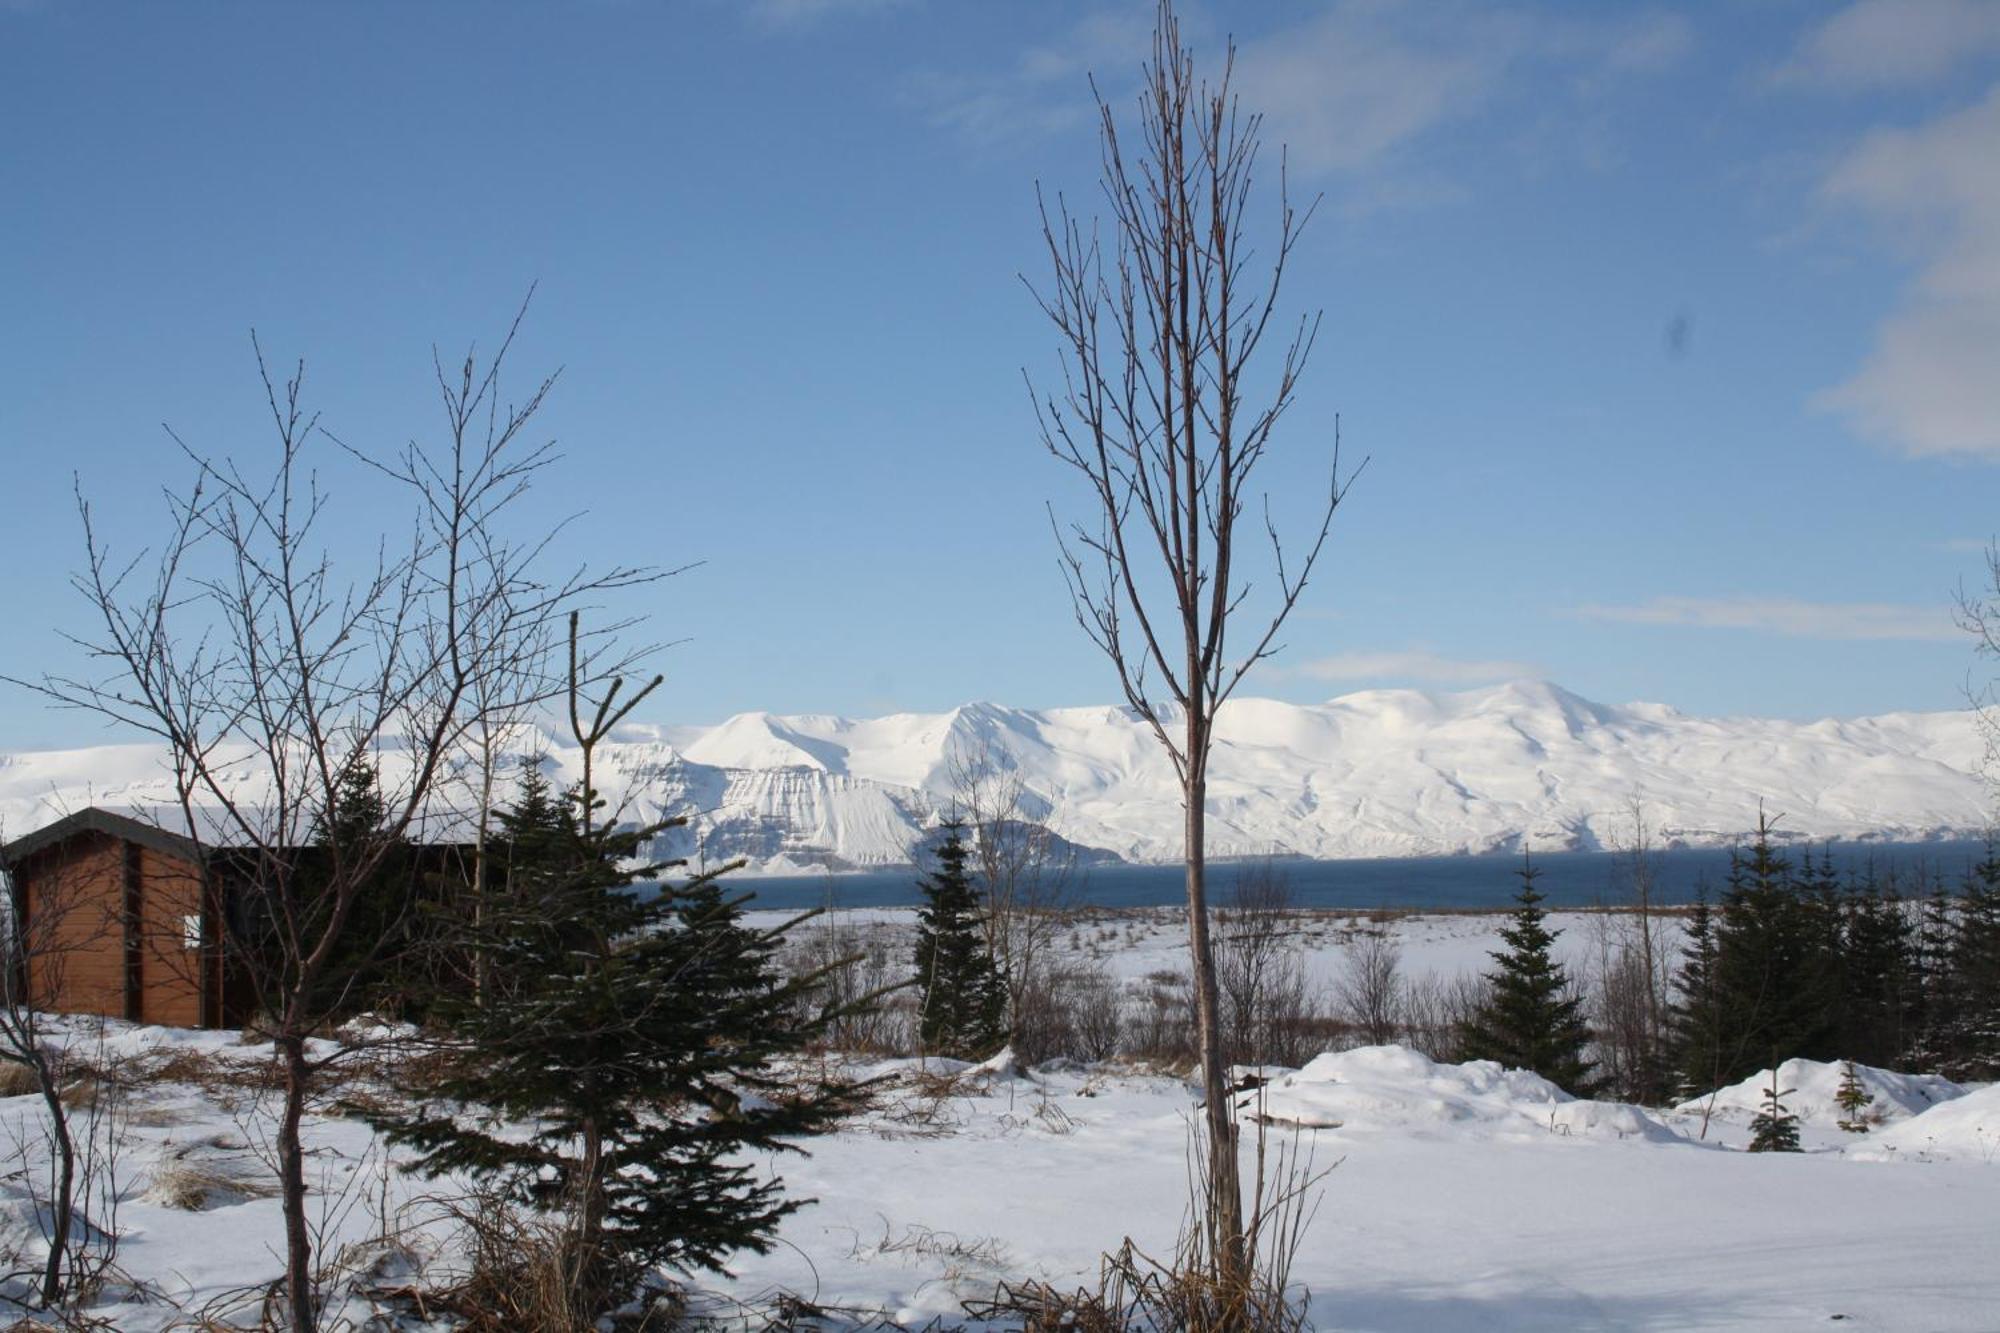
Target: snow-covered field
(1135, 943)
(1460, 1197)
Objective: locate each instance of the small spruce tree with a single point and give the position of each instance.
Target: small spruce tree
(1531, 1018)
(1774, 1129)
(1853, 1100)
(1776, 965)
(631, 1054)
(375, 962)
(961, 995)
(1695, 1014)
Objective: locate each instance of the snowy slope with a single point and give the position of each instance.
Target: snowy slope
(1378, 773)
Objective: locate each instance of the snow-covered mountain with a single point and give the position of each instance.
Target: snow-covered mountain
(1378, 773)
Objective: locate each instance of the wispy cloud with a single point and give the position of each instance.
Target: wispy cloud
(1357, 82)
(1777, 615)
(1350, 88)
(1347, 90)
(793, 15)
(1893, 43)
(1931, 386)
(1411, 664)
(1042, 89)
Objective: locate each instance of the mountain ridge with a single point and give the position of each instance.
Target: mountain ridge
(1395, 772)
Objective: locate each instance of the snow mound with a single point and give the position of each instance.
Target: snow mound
(1815, 1085)
(1397, 1090)
(1965, 1129)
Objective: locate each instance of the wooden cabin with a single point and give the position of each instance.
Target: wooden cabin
(114, 915)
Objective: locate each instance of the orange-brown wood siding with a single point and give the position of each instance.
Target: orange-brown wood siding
(78, 940)
(169, 971)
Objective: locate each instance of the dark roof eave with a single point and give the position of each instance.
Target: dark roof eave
(95, 819)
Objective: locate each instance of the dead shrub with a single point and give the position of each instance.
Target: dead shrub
(1068, 1011)
(84, 1089)
(516, 1276)
(18, 1080)
(851, 964)
(1136, 1293)
(206, 1175)
(1369, 988)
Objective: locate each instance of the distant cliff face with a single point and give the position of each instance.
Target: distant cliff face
(1381, 773)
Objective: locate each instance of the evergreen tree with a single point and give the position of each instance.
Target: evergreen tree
(1695, 1014)
(1875, 1017)
(636, 1035)
(1853, 1100)
(962, 997)
(1774, 1129)
(1776, 971)
(375, 960)
(533, 841)
(1531, 1018)
(1962, 1037)
(1939, 1008)
(1976, 963)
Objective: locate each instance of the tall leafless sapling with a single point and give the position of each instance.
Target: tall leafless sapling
(268, 666)
(1633, 969)
(1161, 326)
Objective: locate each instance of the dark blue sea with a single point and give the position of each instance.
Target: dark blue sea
(1567, 879)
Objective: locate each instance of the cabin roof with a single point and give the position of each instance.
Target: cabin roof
(217, 831)
(97, 819)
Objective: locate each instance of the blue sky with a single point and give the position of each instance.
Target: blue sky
(1673, 336)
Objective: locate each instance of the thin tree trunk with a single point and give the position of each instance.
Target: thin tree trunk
(62, 1204)
(1225, 1196)
(292, 1184)
(589, 1223)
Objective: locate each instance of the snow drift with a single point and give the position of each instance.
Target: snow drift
(1392, 1089)
(1964, 1129)
(1814, 1086)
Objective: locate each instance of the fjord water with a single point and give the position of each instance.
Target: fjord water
(1567, 879)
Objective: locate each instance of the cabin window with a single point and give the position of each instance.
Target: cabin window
(191, 931)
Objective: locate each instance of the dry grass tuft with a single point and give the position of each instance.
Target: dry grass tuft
(84, 1089)
(206, 1175)
(18, 1080)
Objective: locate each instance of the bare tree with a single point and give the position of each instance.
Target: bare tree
(268, 670)
(1977, 613)
(1270, 1013)
(1160, 329)
(1632, 970)
(1369, 986)
(1025, 870)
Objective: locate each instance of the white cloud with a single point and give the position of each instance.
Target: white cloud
(1348, 87)
(1345, 91)
(1777, 615)
(1043, 89)
(1891, 43)
(1413, 664)
(1931, 386)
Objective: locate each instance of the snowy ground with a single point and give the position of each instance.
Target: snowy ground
(1135, 943)
(1460, 1197)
